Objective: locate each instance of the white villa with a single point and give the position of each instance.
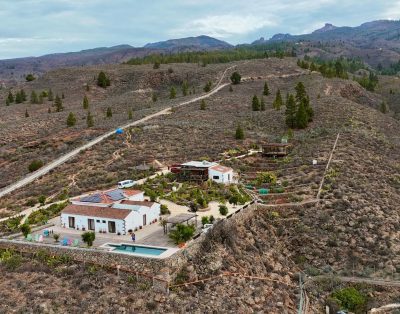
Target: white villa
(209, 170)
(116, 211)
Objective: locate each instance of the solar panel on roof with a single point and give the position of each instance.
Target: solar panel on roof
(116, 195)
(95, 198)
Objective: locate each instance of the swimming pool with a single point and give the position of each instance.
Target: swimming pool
(137, 249)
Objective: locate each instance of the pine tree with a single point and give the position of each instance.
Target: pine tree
(301, 117)
(130, 114)
(89, 120)
(71, 120)
(262, 104)
(185, 88)
(50, 96)
(235, 78)
(290, 112)
(58, 104)
(239, 134)
(278, 102)
(34, 98)
(302, 97)
(266, 89)
(109, 112)
(10, 97)
(85, 102)
(203, 105)
(7, 102)
(154, 97)
(103, 80)
(87, 87)
(255, 103)
(172, 93)
(26, 113)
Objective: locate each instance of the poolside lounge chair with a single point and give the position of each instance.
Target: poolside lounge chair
(40, 238)
(69, 242)
(46, 233)
(36, 239)
(75, 243)
(64, 242)
(29, 237)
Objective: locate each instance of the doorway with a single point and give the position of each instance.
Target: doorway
(91, 225)
(144, 220)
(111, 227)
(71, 222)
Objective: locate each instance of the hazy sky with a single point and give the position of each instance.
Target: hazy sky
(37, 27)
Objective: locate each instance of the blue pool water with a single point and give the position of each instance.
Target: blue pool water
(137, 249)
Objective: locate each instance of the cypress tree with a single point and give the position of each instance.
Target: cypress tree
(239, 134)
(109, 112)
(290, 112)
(230, 88)
(255, 103)
(18, 98)
(154, 97)
(40, 98)
(7, 102)
(49, 110)
(278, 102)
(203, 105)
(383, 107)
(266, 89)
(62, 96)
(71, 120)
(172, 93)
(26, 113)
(130, 114)
(207, 88)
(85, 102)
(89, 120)
(58, 104)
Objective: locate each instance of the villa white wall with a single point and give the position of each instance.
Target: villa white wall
(223, 177)
(137, 197)
(101, 224)
(89, 204)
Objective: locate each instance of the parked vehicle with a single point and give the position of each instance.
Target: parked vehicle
(126, 184)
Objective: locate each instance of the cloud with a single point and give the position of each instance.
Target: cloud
(223, 26)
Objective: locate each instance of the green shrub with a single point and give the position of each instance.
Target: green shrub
(266, 177)
(25, 229)
(164, 210)
(350, 298)
(10, 259)
(182, 233)
(223, 210)
(205, 220)
(35, 165)
(88, 238)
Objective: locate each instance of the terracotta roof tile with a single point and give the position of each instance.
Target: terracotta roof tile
(96, 211)
(130, 192)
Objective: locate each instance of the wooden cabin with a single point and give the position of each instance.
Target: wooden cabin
(276, 149)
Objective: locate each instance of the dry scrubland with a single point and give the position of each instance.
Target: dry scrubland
(355, 229)
(46, 136)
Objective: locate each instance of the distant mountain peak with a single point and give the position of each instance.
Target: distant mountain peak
(201, 41)
(328, 27)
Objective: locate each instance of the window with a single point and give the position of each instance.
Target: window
(216, 177)
(104, 221)
(98, 220)
(71, 222)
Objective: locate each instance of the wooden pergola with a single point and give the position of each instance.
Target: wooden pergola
(179, 219)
